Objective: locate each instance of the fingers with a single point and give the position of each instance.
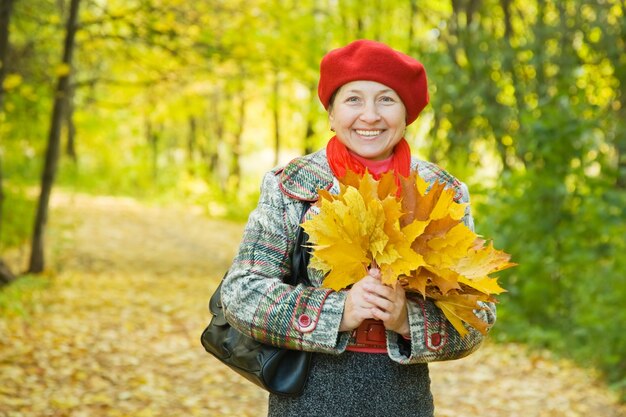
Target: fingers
(375, 273)
(380, 302)
(385, 292)
(389, 305)
(369, 298)
(357, 307)
(381, 315)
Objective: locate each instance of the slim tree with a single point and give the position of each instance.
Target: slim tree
(5, 16)
(235, 162)
(276, 114)
(70, 147)
(54, 138)
(6, 6)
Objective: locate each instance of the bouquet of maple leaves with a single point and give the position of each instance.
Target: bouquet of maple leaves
(414, 234)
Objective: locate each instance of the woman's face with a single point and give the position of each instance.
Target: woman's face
(369, 118)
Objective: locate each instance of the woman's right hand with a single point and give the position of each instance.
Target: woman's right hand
(357, 308)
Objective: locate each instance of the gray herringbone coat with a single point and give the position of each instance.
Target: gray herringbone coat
(258, 304)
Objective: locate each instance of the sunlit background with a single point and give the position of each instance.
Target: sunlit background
(190, 102)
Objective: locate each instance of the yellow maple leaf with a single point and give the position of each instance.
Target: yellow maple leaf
(483, 261)
(358, 228)
(443, 279)
(485, 285)
(417, 238)
(436, 203)
(341, 275)
(459, 309)
(459, 237)
(453, 316)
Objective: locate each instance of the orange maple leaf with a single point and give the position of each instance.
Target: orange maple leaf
(360, 227)
(417, 239)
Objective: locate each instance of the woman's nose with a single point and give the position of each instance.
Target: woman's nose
(370, 113)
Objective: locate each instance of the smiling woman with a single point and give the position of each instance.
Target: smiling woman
(369, 119)
(371, 341)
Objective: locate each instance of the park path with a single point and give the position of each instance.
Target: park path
(116, 331)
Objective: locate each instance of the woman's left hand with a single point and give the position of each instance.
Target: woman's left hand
(390, 306)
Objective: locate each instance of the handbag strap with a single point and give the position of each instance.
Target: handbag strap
(301, 254)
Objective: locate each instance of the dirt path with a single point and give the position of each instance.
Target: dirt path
(116, 333)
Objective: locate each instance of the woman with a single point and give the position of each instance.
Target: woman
(373, 342)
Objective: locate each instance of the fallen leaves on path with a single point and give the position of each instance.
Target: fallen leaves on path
(509, 380)
(117, 331)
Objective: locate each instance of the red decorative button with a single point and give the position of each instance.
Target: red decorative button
(304, 320)
(435, 339)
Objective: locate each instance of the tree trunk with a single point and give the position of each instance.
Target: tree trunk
(235, 166)
(620, 138)
(470, 12)
(152, 137)
(411, 31)
(539, 47)
(310, 132)
(5, 18)
(52, 151)
(70, 148)
(620, 147)
(308, 138)
(215, 132)
(213, 145)
(6, 276)
(508, 64)
(360, 25)
(6, 6)
(191, 145)
(276, 114)
(508, 26)
(375, 23)
(620, 134)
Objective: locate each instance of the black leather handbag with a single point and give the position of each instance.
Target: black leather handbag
(277, 370)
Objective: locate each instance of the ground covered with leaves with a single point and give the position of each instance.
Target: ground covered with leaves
(114, 330)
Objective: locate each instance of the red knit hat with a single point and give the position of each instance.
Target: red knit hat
(375, 61)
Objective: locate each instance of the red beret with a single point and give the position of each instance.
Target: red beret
(374, 61)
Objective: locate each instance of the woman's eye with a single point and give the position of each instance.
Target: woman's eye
(352, 99)
(387, 99)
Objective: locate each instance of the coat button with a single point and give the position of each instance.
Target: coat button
(435, 339)
(304, 321)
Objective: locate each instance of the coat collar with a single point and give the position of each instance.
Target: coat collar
(301, 178)
(304, 176)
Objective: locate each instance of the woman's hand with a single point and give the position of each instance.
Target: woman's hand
(357, 307)
(370, 299)
(389, 306)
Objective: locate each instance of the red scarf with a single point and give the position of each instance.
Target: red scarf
(340, 160)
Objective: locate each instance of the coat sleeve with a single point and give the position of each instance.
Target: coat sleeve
(433, 338)
(255, 299)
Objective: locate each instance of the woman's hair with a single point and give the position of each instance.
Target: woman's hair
(331, 100)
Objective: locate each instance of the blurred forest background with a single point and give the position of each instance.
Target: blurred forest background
(178, 101)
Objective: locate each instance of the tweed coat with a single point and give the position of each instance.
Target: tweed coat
(259, 304)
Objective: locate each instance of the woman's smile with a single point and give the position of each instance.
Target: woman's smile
(369, 118)
(368, 133)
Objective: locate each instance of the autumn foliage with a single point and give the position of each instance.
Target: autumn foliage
(416, 237)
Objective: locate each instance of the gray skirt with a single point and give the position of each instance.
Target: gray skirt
(359, 385)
